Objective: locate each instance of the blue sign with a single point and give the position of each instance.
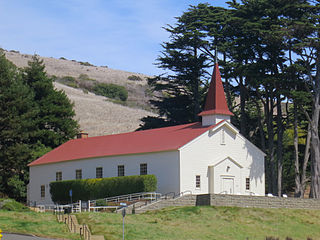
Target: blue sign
(70, 193)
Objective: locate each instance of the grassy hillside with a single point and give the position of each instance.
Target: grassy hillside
(97, 115)
(39, 224)
(208, 223)
(230, 223)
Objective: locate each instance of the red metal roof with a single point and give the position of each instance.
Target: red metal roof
(155, 140)
(216, 101)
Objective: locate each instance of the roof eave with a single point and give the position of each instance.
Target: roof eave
(102, 156)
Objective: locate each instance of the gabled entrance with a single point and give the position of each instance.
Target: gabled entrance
(225, 177)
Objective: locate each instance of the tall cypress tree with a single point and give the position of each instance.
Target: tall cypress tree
(17, 112)
(55, 123)
(183, 57)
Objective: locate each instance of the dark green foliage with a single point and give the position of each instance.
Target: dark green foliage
(89, 189)
(134, 78)
(55, 121)
(268, 54)
(185, 59)
(12, 205)
(17, 126)
(34, 118)
(86, 64)
(111, 90)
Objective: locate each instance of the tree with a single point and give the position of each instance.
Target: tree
(271, 57)
(17, 112)
(307, 47)
(183, 56)
(34, 118)
(55, 123)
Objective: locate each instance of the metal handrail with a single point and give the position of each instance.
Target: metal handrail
(133, 196)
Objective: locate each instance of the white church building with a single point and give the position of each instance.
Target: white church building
(203, 157)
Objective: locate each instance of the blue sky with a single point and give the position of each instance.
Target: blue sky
(122, 34)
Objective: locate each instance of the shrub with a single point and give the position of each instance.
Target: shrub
(12, 205)
(97, 188)
(86, 64)
(62, 58)
(69, 81)
(134, 78)
(111, 90)
(84, 77)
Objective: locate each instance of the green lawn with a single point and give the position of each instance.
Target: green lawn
(208, 223)
(39, 224)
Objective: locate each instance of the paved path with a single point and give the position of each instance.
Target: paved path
(9, 236)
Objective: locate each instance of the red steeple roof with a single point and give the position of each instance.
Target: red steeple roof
(216, 101)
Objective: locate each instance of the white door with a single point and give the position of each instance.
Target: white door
(227, 185)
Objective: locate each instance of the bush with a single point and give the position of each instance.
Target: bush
(69, 81)
(84, 77)
(111, 91)
(134, 78)
(12, 205)
(97, 188)
(86, 64)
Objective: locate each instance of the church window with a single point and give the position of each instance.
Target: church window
(120, 170)
(99, 172)
(58, 176)
(143, 169)
(79, 174)
(43, 191)
(247, 183)
(197, 181)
